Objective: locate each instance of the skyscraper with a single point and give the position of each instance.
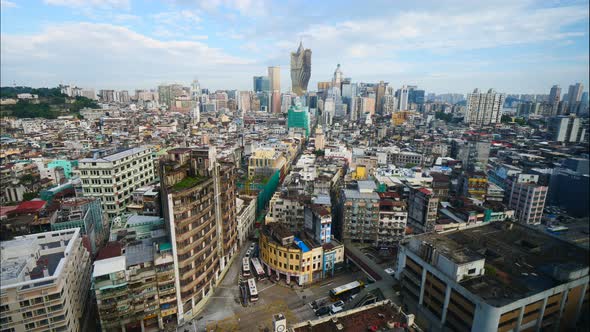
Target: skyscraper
(555, 95)
(575, 93)
(338, 78)
(402, 97)
(380, 92)
(274, 77)
(484, 108)
(195, 89)
(300, 69)
(261, 84)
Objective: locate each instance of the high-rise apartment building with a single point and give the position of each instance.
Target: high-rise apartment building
(44, 282)
(402, 98)
(574, 94)
(300, 70)
(555, 95)
(361, 213)
(422, 209)
(484, 108)
(107, 96)
(379, 94)
(199, 206)
(274, 77)
(527, 198)
(501, 276)
(168, 93)
(113, 178)
(565, 129)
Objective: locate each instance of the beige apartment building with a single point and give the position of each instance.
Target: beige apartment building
(199, 205)
(113, 178)
(45, 279)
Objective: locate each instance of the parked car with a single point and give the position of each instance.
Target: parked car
(389, 271)
(335, 310)
(322, 311)
(337, 306)
(252, 246)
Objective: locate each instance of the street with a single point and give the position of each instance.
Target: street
(224, 312)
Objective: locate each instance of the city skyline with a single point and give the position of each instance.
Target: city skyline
(122, 45)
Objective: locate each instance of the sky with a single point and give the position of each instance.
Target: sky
(441, 46)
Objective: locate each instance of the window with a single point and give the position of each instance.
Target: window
(471, 271)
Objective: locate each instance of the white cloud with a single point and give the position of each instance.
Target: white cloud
(90, 3)
(370, 45)
(175, 23)
(231, 34)
(7, 4)
(126, 18)
(468, 30)
(250, 8)
(87, 53)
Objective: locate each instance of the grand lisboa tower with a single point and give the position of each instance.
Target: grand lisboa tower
(300, 69)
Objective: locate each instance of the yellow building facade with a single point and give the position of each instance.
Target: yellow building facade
(301, 261)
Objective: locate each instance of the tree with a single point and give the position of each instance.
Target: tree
(29, 196)
(27, 178)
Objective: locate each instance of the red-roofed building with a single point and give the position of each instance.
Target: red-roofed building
(5, 210)
(30, 207)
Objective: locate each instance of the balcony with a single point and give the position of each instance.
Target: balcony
(167, 299)
(195, 218)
